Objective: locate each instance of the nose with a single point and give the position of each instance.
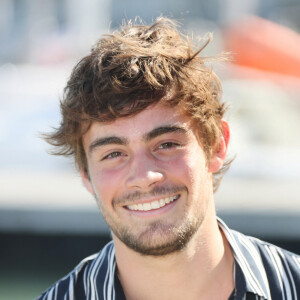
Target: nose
(144, 172)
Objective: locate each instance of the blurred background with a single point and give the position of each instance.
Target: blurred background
(48, 222)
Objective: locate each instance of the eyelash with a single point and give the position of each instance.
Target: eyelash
(112, 155)
(168, 144)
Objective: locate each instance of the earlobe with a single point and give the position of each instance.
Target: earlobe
(86, 181)
(218, 157)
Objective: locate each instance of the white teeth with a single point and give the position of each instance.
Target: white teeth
(146, 206)
(152, 205)
(155, 205)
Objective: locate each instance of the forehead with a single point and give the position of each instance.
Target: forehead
(136, 126)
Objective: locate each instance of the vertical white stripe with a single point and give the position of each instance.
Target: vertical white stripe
(252, 250)
(242, 260)
(56, 290)
(297, 260)
(71, 287)
(92, 275)
(110, 286)
(276, 269)
(106, 288)
(105, 285)
(286, 284)
(84, 280)
(288, 273)
(78, 268)
(96, 273)
(50, 294)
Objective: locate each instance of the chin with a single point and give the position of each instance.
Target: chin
(160, 239)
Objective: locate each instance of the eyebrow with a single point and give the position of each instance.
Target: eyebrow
(107, 141)
(146, 137)
(163, 130)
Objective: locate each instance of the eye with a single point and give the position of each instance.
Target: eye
(113, 155)
(168, 145)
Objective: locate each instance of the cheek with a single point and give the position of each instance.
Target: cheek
(192, 169)
(185, 167)
(107, 183)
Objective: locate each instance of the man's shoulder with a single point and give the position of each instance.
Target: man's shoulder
(80, 279)
(266, 250)
(266, 270)
(276, 269)
(255, 249)
(278, 258)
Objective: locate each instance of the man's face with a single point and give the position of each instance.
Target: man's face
(150, 177)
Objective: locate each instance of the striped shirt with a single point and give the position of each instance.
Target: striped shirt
(261, 271)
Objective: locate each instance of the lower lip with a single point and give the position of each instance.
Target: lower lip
(154, 212)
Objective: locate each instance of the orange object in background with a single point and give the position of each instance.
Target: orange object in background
(262, 44)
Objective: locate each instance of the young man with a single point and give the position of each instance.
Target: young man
(143, 118)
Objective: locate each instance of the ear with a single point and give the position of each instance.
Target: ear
(86, 181)
(218, 157)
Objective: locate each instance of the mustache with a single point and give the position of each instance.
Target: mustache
(156, 191)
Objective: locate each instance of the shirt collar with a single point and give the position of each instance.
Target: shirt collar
(249, 262)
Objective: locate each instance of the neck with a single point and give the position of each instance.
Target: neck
(204, 264)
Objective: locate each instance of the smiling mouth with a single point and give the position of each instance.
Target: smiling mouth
(153, 205)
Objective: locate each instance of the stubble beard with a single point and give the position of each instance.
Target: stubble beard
(168, 238)
(160, 238)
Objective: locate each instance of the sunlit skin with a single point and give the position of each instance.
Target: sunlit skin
(154, 155)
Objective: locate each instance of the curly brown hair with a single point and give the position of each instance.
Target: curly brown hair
(131, 69)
